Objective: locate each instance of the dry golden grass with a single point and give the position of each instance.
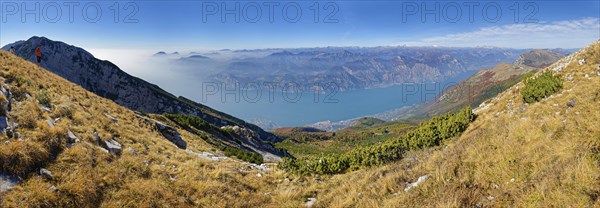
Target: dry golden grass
(158, 175)
(546, 155)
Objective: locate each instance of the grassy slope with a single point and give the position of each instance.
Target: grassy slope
(483, 85)
(84, 176)
(550, 151)
(544, 155)
(367, 121)
(303, 144)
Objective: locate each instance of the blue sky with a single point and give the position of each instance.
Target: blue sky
(179, 25)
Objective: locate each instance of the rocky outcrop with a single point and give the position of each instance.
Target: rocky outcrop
(419, 181)
(248, 140)
(46, 173)
(171, 134)
(71, 138)
(50, 123)
(310, 202)
(108, 146)
(207, 156)
(112, 146)
(107, 80)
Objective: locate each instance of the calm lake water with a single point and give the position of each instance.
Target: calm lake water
(291, 108)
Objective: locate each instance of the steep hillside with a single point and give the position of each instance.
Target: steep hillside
(107, 80)
(538, 58)
(366, 122)
(476, 89)
(291, 130)
(544, 154)
(485, 84)
(63, 146)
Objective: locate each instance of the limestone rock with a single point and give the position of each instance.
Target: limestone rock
(571, 103)
(310, 202)
(71, 137)
(419, 181)
(171, 134)
(49, 122)
(46, 173)
(113, 146)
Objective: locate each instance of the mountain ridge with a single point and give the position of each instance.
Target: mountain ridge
(514, 154)
(73, 148)
(472, 91)
(107, 80)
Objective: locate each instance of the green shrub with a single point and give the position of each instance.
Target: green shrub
(44, 98)
(187, 121)
(428, 134)
(244, 155)
(538, 88)
(227, 131)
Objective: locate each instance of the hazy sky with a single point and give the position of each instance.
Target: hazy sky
(207, 25)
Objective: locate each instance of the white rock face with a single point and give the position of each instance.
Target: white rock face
(417, 183)
(169, 132)
(207, 156)
(310, 202)
(71, 137)
(49, 122)
(46, 173)
(250, 140)
(113, 146)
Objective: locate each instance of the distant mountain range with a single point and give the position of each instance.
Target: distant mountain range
(485, 84)
(350, 68)
(473, 91)
(345, 68)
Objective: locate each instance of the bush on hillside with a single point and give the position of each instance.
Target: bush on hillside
(251, 157)
(427, 134)
(44, 98)
(187, 121)
(538, 88)
(30, 112)
(22, 158)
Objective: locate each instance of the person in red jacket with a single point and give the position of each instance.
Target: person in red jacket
(38, 54)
